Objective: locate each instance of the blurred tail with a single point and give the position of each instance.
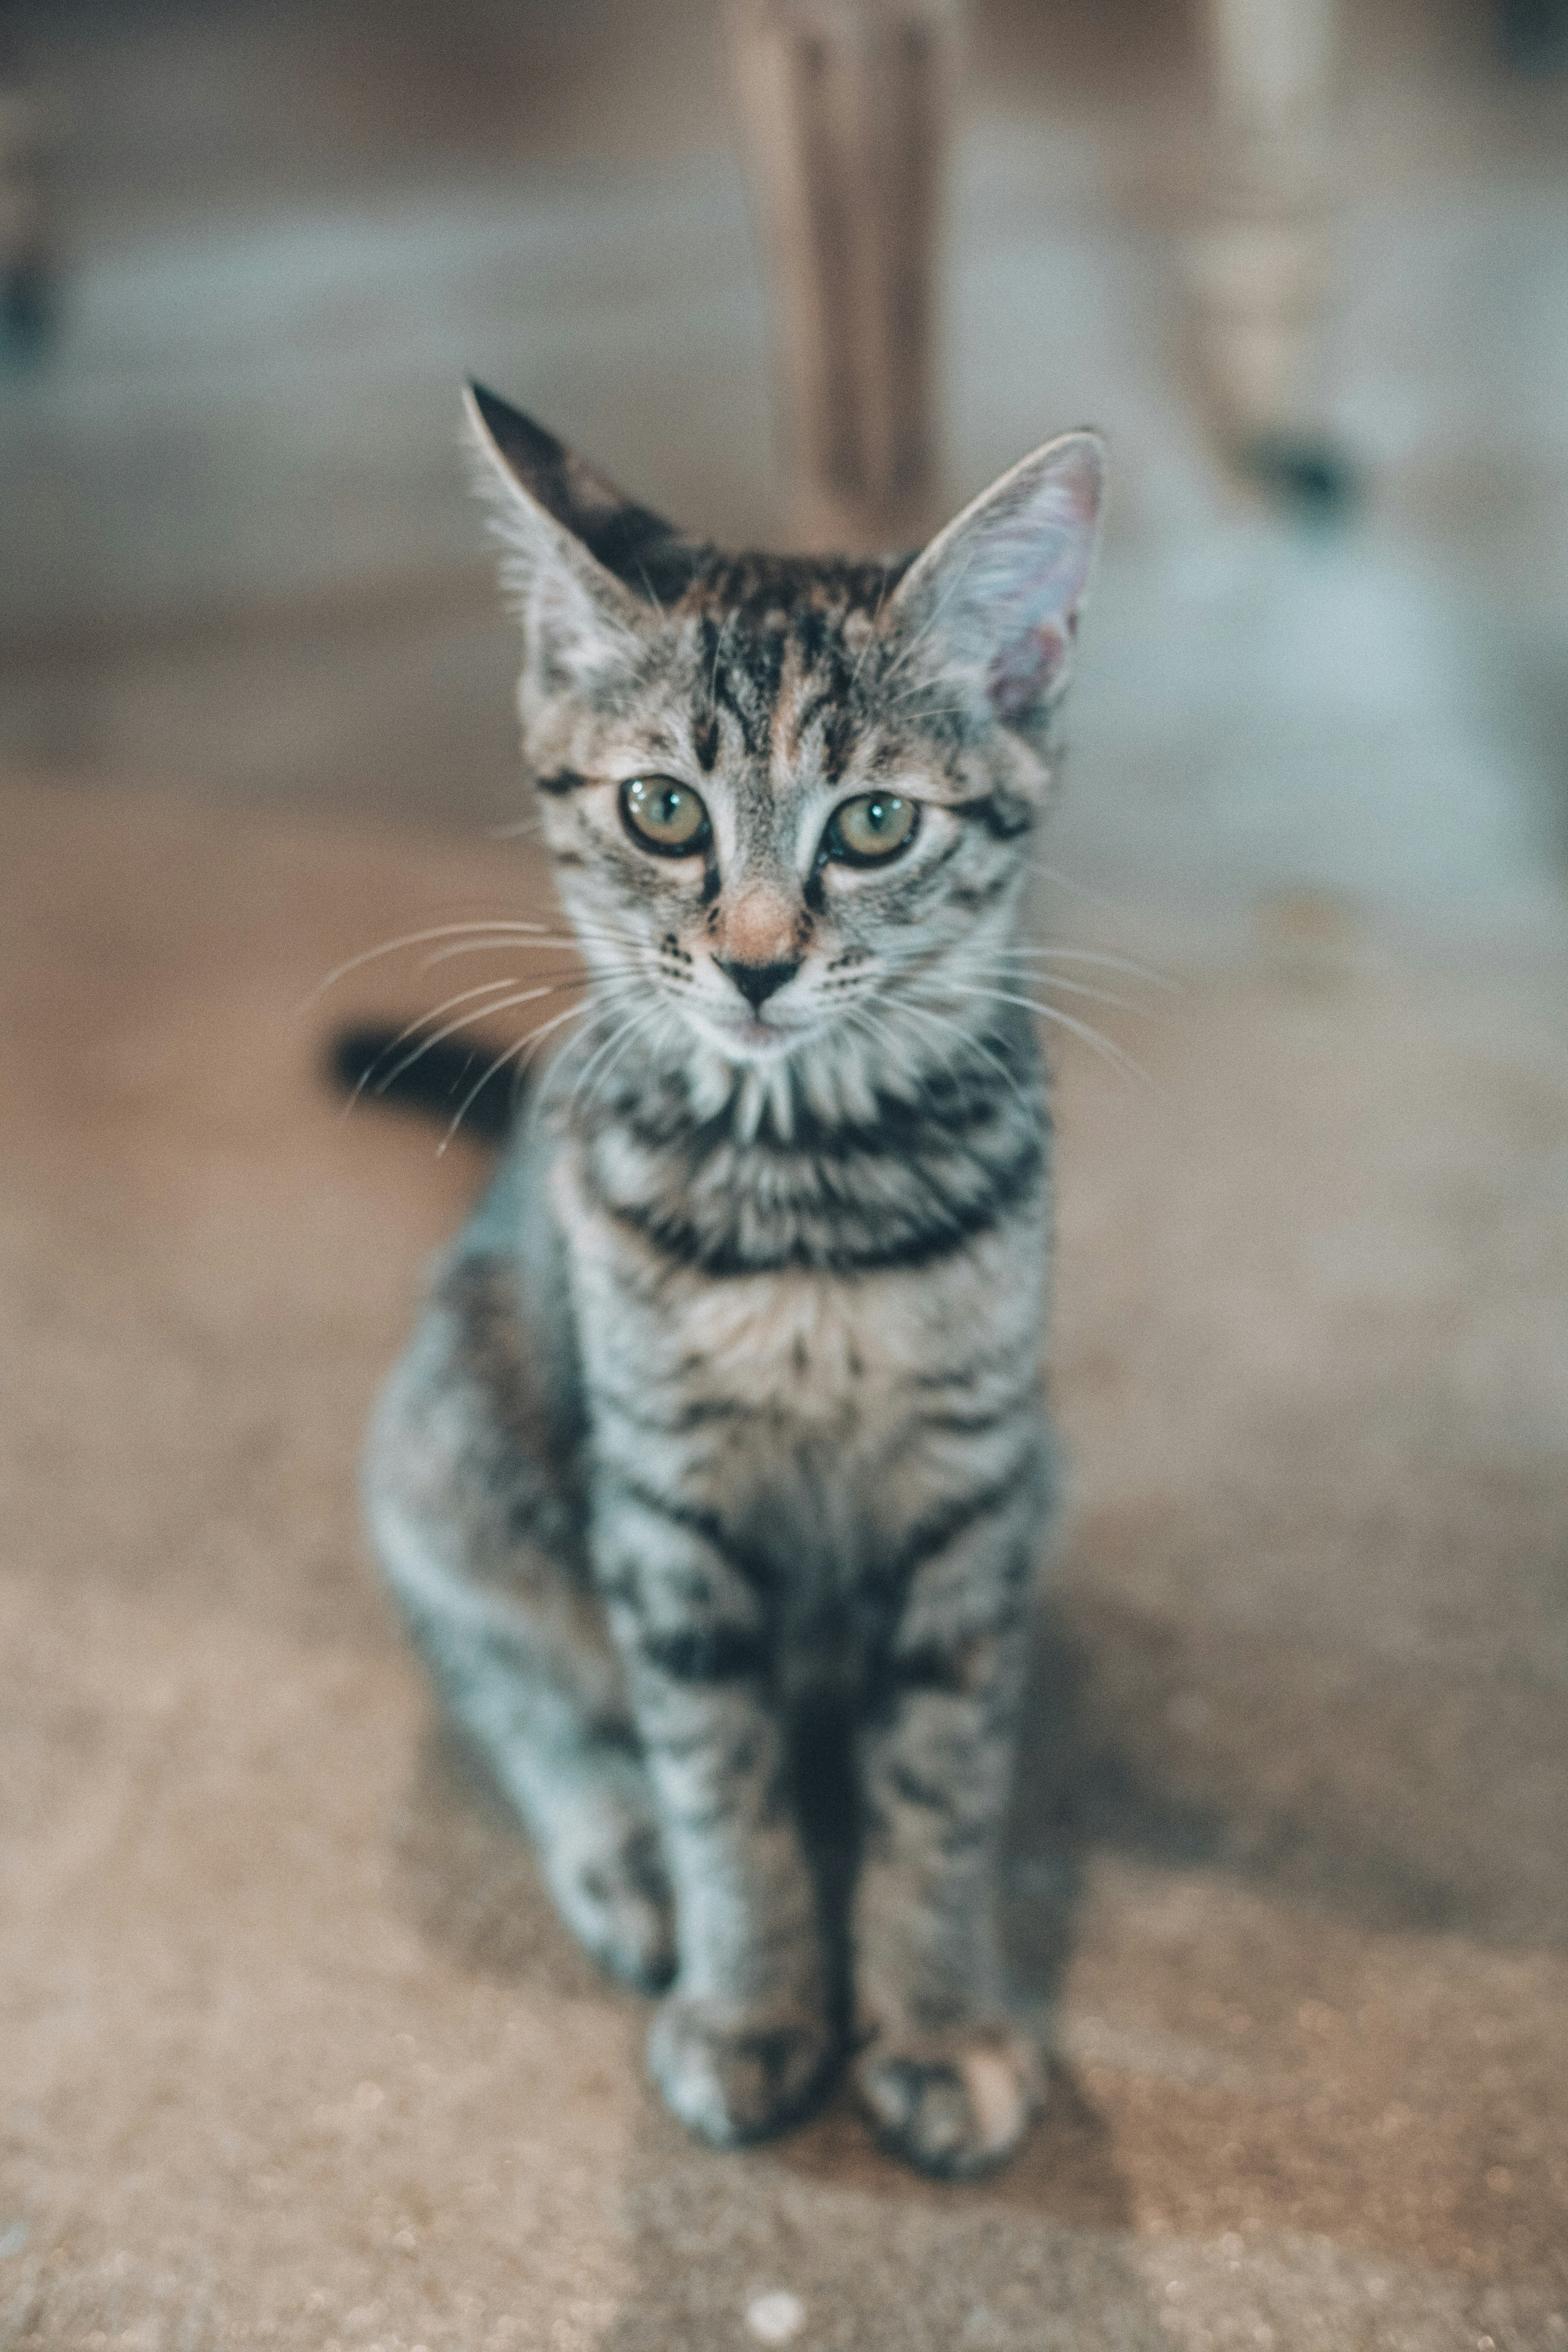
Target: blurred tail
(371, 1065)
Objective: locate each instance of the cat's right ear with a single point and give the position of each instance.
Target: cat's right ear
(994, 602)
(587, 567)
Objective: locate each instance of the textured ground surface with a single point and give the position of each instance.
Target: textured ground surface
(293, 2054)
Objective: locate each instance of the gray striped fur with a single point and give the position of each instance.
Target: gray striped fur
(722, 1425)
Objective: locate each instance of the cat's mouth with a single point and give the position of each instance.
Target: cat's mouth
(762, 1037)
(748, 1039)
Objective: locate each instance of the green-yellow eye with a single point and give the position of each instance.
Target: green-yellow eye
(664, 816)
(875, 826)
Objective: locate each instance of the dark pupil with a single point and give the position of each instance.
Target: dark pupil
(880, 814)
(664, 808)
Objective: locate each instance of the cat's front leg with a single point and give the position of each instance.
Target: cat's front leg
(742, 2042)
(950, 2080)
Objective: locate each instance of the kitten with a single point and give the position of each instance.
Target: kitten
(723, 1421)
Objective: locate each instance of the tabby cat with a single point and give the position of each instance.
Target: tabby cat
(718, 1460)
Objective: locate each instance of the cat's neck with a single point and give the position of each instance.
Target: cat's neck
(892, 1167)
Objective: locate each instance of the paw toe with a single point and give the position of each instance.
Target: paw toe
(955, 2108)
(731, 2080)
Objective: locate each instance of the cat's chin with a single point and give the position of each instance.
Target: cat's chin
(747, 1043)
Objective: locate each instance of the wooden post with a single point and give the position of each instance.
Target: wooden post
(1261, 268)
(847, 108)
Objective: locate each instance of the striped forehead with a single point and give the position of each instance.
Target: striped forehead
(774, 693)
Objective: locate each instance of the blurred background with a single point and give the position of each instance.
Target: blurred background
(296, 2054)
(240, 556)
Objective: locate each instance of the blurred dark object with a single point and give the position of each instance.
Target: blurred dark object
(847, 107)
(464, 1087)
(28, 307)
(1311, 479)
(1534, 36)
(29, 272)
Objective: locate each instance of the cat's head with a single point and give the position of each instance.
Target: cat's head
(789, 799)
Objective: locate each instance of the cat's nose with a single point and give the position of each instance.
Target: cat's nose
(757, 982)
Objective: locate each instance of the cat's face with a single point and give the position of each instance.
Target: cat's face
(790, 800)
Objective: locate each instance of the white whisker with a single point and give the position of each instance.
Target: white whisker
(1035, 980)
(651, 592)
(408, 940)
(615, 1037)
(1094, 955)
(483, 947)
(1105, 1048)
(524, 1047)
(628, 1032)
(439, 1036)
(494, 944)
(1080, 889)
(972, 1042)
(486, 987)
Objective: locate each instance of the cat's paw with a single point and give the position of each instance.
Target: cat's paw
(732, 2076)
(957, 2103)
(614, 1895)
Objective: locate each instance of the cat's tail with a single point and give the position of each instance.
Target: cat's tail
(374, 1063)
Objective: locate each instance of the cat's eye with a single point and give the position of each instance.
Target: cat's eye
(870, 828)
(664, 816)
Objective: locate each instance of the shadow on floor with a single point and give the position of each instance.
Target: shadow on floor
(1120, 1754)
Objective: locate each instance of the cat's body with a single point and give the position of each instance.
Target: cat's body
(723, 1421)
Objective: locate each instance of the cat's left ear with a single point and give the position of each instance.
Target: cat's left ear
(995, 597)
(589, 567)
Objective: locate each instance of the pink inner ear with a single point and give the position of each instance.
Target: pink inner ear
(1036, 623)
(1026, 670)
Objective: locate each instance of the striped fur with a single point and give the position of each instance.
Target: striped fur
(722, 1426)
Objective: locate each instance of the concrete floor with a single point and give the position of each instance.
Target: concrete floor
(295, 2055)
